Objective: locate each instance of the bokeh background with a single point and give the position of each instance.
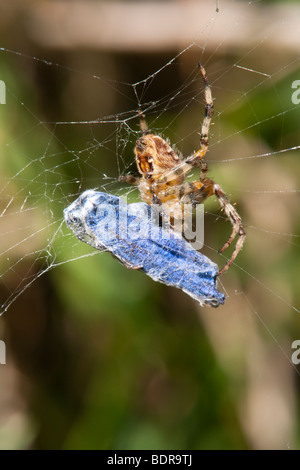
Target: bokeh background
(98, 356)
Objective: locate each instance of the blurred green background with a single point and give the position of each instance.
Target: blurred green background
(101, 357)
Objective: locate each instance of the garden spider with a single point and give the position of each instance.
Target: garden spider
(163, 173)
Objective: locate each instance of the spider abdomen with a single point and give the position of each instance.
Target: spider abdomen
(154, 156)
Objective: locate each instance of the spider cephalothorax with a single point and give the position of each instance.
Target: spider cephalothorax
(163, 172)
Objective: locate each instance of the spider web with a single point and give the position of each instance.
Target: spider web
(49, 158)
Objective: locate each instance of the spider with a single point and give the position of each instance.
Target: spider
(163, 172)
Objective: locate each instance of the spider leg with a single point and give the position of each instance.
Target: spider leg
(237, 227)
(197, 158)
(209, 108)
(193, 192)
(178, 171)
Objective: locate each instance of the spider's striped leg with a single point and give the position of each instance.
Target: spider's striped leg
(194, 192)
(204, 170)
(209, 108)
(237, 227)
(181, 170)
(197, 158)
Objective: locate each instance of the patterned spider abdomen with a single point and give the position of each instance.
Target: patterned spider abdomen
(154, 156)
(106, 222)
